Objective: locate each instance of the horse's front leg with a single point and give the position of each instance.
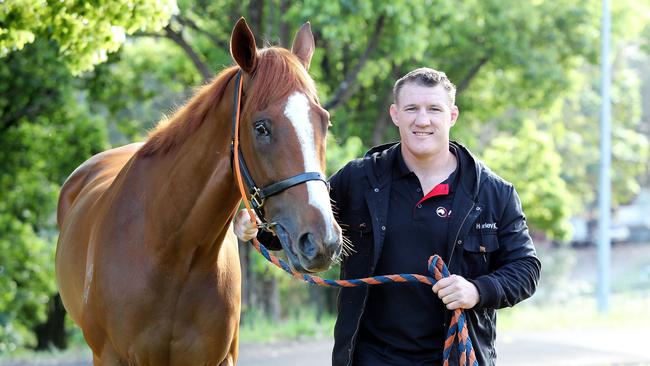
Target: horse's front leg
(231, 357)
(108, 357)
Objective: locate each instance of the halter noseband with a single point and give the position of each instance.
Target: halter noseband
(258, 195)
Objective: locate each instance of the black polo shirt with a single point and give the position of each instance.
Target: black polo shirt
(403, 324)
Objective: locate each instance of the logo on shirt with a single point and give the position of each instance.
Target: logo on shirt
(443, 212)
(487, 225)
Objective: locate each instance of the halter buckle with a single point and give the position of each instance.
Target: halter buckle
(267, 226)
(256, 199)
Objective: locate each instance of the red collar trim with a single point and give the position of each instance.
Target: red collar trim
(439, 190)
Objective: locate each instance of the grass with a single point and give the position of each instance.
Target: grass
(581, 313)
(300, 326)
(30, 357)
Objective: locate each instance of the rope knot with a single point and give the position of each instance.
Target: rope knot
(459, 339)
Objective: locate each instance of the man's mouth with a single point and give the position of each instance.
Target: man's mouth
(422, 133)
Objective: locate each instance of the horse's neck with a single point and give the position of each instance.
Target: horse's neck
(195, 195)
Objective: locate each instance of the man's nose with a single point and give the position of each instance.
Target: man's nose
(422, 119)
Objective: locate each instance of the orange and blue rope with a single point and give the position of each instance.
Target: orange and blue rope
(457, 334)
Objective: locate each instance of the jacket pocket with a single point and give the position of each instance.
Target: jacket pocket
(359, 225)
(477, 252)
(358, 233)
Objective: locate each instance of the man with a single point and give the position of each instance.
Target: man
(402, 203)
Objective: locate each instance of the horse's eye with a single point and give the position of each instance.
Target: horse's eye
(262, 129)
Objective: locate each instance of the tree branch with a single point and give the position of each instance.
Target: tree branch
(177, 37)
(383, 121)
(36, 107)
(348, 86)
(471, 74)
(192, 24)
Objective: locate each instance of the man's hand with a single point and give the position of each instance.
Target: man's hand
(456, 292)
(243, 227)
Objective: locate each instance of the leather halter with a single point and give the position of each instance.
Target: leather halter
(258, 195)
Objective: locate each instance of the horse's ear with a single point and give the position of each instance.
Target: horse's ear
(303, 45)
(242, 46)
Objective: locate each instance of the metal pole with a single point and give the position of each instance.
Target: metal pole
(604, 200)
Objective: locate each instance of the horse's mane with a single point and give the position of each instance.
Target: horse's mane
(278, 73)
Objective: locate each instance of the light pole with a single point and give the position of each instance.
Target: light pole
(604, 197)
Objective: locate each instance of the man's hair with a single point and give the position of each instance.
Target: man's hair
(425, 76)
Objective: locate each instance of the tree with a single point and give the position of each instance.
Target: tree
(530, 161)
(520, 52)
(85, 32)
(44, 135)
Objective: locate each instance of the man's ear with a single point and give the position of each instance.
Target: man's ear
(303, 45)
(242, 46)
(393, 114)
(454, 114)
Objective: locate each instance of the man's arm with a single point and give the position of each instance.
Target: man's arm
(516, 266)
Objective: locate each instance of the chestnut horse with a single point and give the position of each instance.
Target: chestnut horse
(147, 264)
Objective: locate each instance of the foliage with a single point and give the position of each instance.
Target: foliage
(628, 311)
(84, 31)
(575, 124)
(529, 160)
(499, 53)
(138, 85)
(45, 134)
(302, 324)
(338, 153)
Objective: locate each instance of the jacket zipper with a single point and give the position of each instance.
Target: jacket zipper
(458, 233)
(354, 336)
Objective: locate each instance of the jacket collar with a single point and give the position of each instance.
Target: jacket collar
(383, 157)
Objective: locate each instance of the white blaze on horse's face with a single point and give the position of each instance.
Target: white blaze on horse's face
(297, 111)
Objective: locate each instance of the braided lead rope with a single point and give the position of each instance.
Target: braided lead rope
(438, 270)
(466, 354)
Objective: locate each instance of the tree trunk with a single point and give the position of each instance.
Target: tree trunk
(284, 27)
(52, 332)
(271, 298)
(247, 276)
(256, 15)
(383, 122)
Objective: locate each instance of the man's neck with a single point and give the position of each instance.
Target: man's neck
(433, 169)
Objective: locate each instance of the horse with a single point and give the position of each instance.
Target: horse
(147, 264)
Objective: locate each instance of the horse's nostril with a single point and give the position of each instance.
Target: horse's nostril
(307, 246)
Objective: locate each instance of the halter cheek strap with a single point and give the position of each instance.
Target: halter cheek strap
(258, 195)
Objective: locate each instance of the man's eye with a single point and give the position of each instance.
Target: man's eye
(261, 129)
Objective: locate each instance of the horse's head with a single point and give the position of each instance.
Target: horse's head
(283, 131)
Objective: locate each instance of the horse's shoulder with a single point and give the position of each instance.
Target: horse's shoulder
(97, 171)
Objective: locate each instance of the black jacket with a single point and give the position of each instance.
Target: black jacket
(489, 244)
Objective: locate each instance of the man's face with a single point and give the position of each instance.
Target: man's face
(424, 116)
